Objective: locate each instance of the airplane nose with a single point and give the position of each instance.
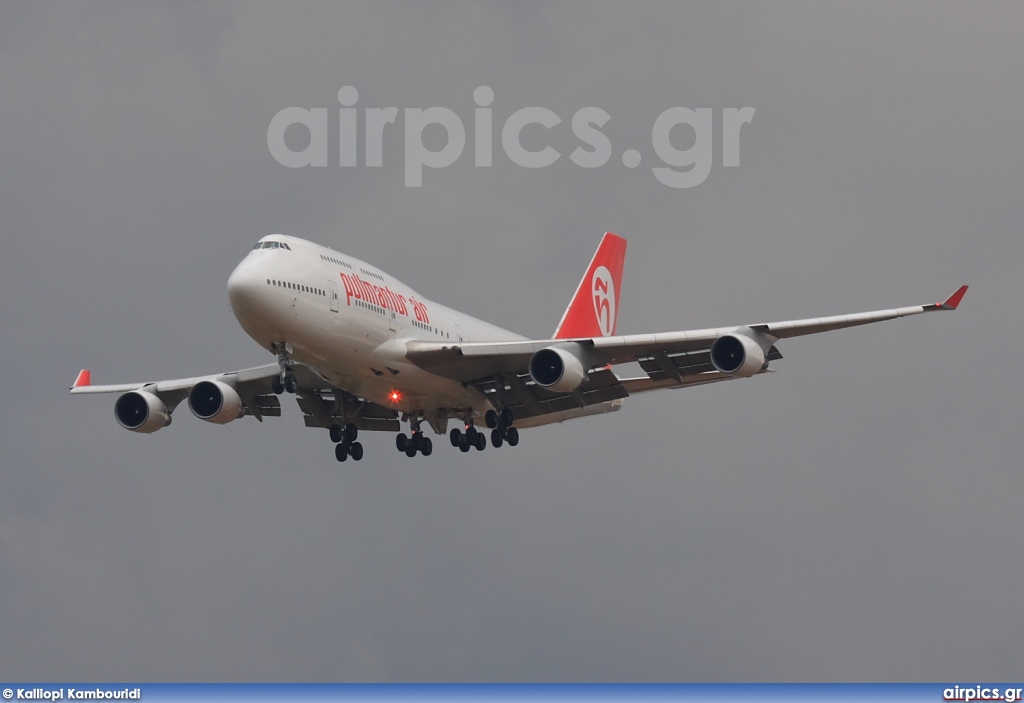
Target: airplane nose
(243, 290)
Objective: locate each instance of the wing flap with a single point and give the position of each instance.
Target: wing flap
(526, 399)
(262, 406)
(325, 408)
(641, 384)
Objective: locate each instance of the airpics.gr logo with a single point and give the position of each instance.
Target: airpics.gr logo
(603, 288)
(679, 168)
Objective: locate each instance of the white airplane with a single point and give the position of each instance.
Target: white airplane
(363, 351)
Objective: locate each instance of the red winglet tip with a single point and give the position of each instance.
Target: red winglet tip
(954, 300)
(84, 379)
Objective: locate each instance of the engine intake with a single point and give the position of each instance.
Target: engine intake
(139, 411)
(557, 369)
(215, 401)
(737, 355)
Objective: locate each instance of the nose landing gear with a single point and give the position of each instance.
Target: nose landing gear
(285, 381)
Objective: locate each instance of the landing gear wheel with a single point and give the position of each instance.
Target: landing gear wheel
(464, 445)
(480, 441)
(335, 433)
(507, 417)
(496, 439)
(455, 436)
(341, 452)
(276, 385)
(416, 440)
(401, 441)
(471, 434)
(351, 432)
(512, 436)
(410, 451)
(356, 450)
(491, 419)
(290, 384)
(426, 447)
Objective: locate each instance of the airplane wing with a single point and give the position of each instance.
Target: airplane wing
(321, 403)
(669, 359)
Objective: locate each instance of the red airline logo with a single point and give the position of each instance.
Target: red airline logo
(604, 300)
(594, 309)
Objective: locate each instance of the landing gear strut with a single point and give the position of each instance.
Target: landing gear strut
(285, 381)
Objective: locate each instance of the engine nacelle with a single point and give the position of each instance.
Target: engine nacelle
(216, 402)
(737, 355)
(557, 369)
(140, 411)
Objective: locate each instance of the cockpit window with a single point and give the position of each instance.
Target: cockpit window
(272, 245)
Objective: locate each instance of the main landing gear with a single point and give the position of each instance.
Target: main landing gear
(418, 442)
(501, 427)
(472, 437)
(345, 442)
(500, 424)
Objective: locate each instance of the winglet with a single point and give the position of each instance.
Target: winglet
(954, 300)
(84, 379)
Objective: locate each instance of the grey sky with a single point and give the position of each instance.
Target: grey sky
(856, 515)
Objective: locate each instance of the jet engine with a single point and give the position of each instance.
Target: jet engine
(216, 402)
(737, 355)
(140, 411)
(557, 369)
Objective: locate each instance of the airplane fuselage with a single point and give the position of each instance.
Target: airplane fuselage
(350, 322)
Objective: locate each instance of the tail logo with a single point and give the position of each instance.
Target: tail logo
(603, 288)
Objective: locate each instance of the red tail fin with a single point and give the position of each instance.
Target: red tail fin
(594, 309)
